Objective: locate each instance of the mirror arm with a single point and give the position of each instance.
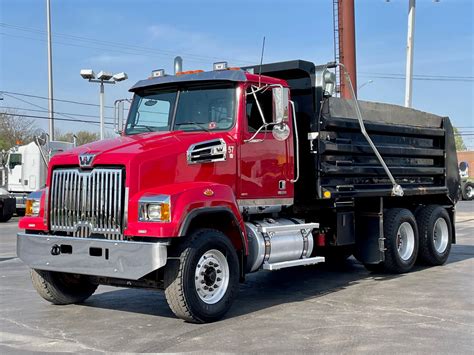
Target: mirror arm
(297, 154)
(259, 108)
(251, 139)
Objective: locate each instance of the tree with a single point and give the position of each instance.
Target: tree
(83, 137)
(459, 141)
(15, 129)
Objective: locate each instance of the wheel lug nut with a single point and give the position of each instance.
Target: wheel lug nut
(211, 289)
(218, 279)
(205, 287)
(218, 271)
(216, 286)
(203, 282)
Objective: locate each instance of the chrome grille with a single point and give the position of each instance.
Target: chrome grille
(87, 203)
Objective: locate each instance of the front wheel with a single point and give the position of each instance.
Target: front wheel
(62, 288)
(202, 281)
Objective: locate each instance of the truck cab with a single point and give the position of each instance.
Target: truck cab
(218, 174)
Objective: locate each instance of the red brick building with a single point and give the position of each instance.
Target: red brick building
(467, 156)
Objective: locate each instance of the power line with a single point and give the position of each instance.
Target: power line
(59, 113)
(420, 75)
(30, 103)
(59, 100)
(126, 46)
(418, 78)
(57, 119)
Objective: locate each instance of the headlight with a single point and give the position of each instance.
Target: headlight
(32, 205)
(154, 208)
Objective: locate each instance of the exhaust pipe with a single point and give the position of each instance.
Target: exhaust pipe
(178, 64)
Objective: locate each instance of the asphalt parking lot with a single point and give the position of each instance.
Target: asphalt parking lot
(307, 309)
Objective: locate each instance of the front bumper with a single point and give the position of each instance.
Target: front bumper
(97, 257)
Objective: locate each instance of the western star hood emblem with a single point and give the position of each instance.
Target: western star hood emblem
(85, 160)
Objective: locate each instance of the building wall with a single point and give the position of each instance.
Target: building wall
(469, 157)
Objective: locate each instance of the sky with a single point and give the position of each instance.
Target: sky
(142, 35)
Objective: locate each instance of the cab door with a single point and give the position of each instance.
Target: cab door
(266, 164)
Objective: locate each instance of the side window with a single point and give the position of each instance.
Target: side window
(254, 119)
(14, 160)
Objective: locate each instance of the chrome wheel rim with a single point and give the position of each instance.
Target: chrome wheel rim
(212, 276)
(440, 235)
(469, 192)
(405, 241)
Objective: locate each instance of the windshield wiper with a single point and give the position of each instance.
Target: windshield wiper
(194, 123)
(150, 128)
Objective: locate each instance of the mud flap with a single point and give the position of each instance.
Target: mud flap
(370, 241)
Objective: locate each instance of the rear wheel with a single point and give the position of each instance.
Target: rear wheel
(401, 242)
(435, 230)
(62, 288)
(202, 281)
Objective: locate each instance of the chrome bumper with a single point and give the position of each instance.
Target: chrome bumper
(97, 257)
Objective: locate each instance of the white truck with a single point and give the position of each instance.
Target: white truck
(26, 170)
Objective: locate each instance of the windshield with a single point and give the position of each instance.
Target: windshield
(190, 109)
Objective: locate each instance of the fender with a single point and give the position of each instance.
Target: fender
(188, 200)
(213, 210)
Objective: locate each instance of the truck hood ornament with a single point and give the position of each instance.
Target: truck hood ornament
(85, 160)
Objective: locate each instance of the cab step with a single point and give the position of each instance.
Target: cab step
(291, 263)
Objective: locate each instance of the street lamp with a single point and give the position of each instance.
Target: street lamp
(102, 78)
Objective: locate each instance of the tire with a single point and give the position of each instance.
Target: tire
(468, 191)
(61, 288)
(5, 218)
(401, 241)
(200, 259)
(435, 230)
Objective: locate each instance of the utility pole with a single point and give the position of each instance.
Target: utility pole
(410, 49)
(347, 46)
(50, 72)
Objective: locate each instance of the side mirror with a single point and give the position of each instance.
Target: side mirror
(280, 104)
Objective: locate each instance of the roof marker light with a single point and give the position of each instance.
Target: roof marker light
(158, 73)
(220, 66)
(189, 72)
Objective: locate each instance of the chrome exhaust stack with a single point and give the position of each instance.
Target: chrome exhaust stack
(178, 64)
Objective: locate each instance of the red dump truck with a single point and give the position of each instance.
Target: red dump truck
(222, 173)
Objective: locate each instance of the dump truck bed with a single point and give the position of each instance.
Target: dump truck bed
(417, 147)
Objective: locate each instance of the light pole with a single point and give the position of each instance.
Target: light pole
(410, 44)
(102, 78)
(50, 71)
(410, 50)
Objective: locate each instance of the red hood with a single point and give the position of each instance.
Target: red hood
(119, 150)
(155, 159)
